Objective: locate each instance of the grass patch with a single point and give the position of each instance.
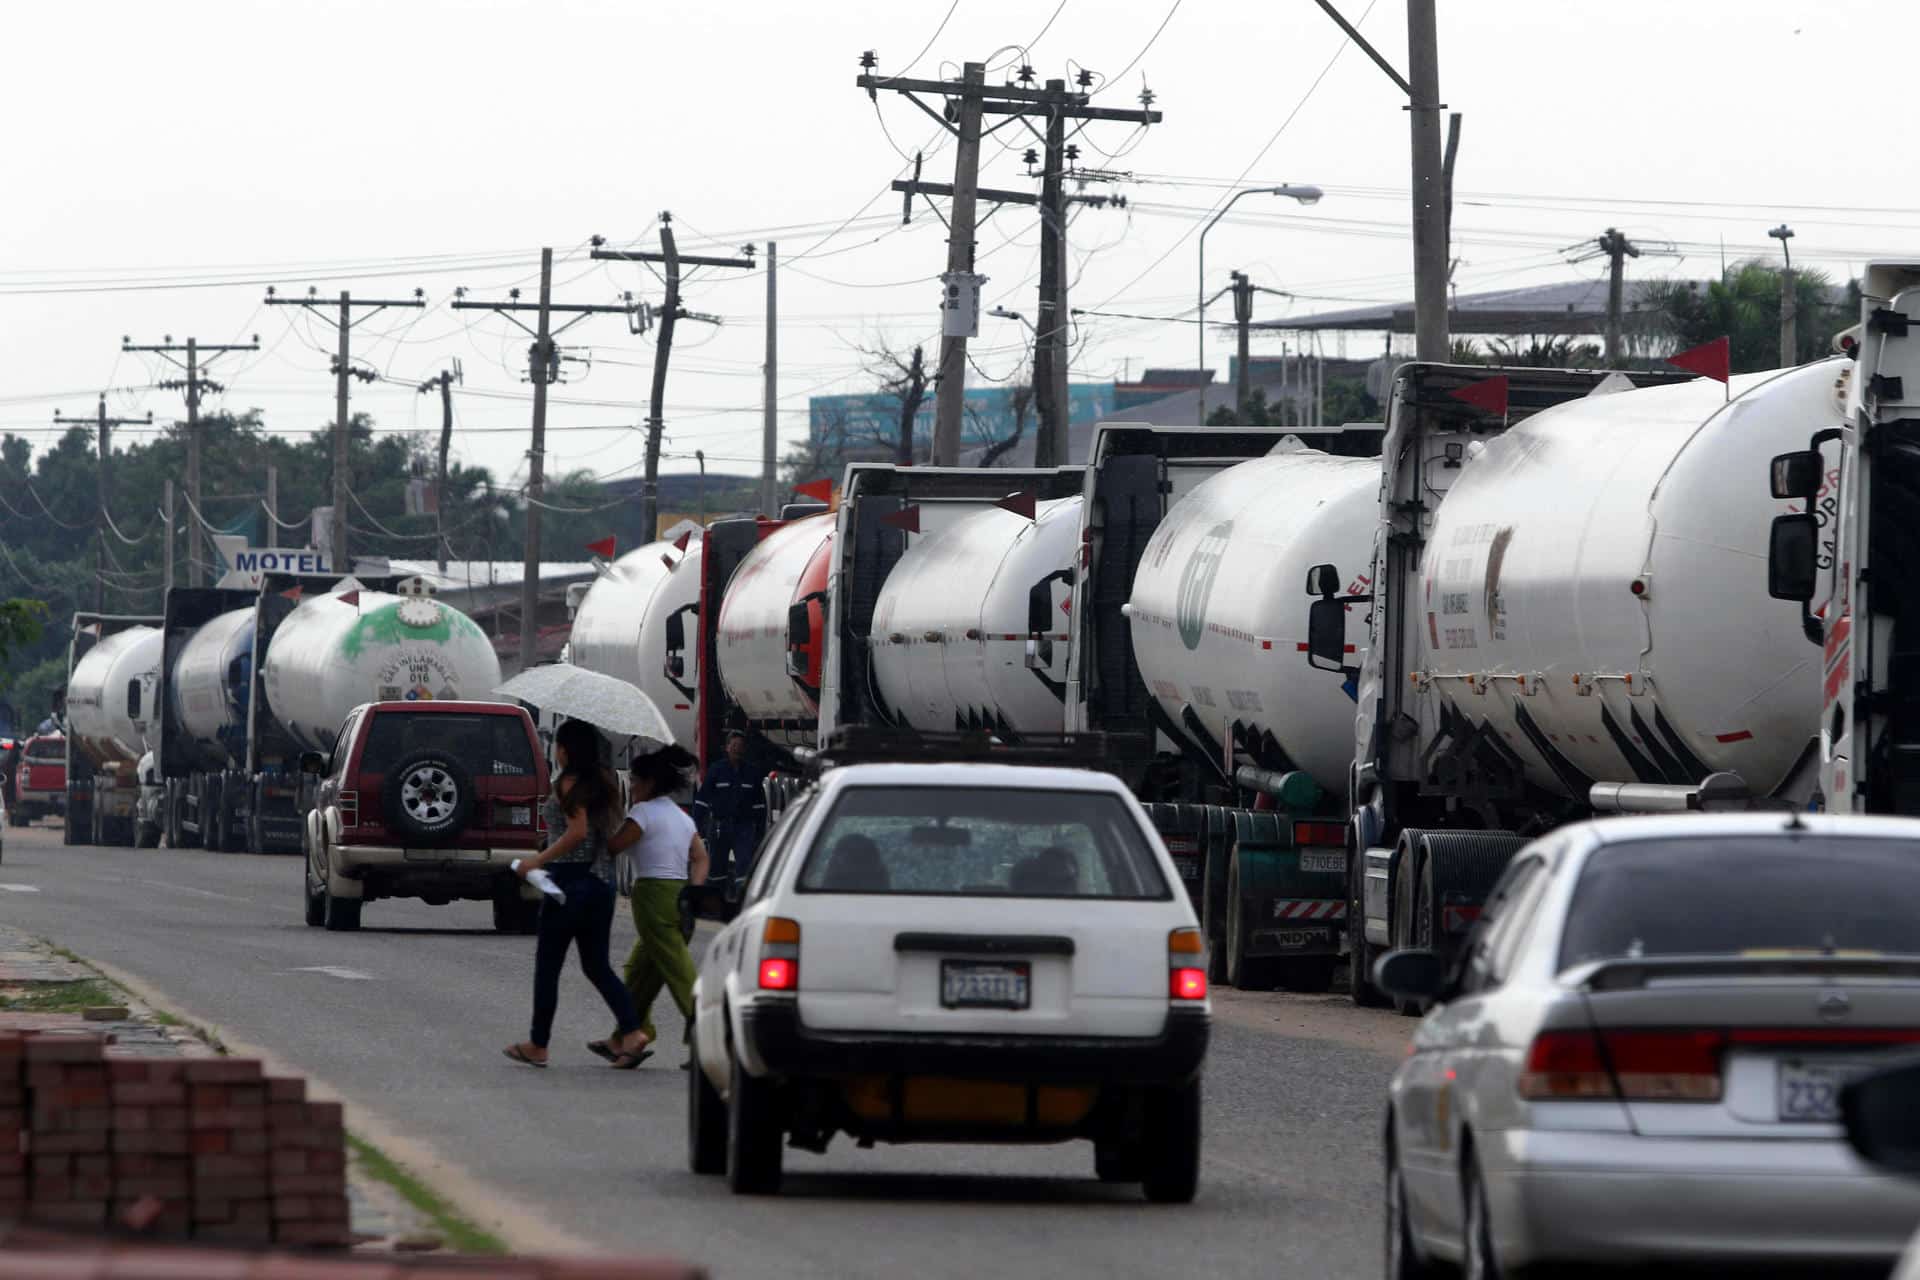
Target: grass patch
(461, 1235)
(58, 997)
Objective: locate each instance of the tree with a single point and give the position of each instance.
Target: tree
(1020, 399)
(1744, 305)
(907, 380)
(1549, 352)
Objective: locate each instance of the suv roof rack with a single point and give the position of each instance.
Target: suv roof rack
(881, 744)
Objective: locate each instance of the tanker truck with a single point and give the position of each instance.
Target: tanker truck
(113, 666)
(251, 681)
(1568, 616)
(621, 625)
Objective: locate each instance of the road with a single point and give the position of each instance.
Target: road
(406, 1020)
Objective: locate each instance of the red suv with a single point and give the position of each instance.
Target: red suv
(430, 800)
(40, 784)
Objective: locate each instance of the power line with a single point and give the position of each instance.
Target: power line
(1115, 78)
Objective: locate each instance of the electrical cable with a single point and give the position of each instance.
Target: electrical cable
(132, 542)
(1115, 78)
(928, 45)
(49, 513)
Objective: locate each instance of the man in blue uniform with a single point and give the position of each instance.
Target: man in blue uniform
(731, 811)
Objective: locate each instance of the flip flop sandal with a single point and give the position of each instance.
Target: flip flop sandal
(521, 1056)
(628, 1061)
(602, 1049)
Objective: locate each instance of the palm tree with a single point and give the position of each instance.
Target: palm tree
(1745, 306)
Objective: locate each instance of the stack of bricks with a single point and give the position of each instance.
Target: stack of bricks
(207, 1148)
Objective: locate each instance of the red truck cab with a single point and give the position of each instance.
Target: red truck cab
(40, 780)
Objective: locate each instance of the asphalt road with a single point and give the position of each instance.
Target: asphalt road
(406, 1020)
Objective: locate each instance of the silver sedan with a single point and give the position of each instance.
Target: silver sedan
(1639, 1053)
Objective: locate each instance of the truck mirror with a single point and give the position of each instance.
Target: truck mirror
(1797, 474)
(1883, 1125)
(1791, 561)
(1411, 974)
(1327, 634)
(313, 762)
(1323, 580)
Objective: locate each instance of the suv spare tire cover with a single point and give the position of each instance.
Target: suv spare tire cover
(427, 797)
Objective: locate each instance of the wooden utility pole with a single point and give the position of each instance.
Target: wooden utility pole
(670, 311)
(1789, 301)
(443, 380)
(198, 356)
(103, 477)
(1618, 249)
(1243, 320)
(969, 99)
(343, 370)
(543, 368)
(770, 412)
(166, 578)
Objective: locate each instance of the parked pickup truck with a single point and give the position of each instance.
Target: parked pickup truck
(40, 786)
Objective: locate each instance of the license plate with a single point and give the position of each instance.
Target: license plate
(968, 984)
(1810, 1092)
(1322, 860)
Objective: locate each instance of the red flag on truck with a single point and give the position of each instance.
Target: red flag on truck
(1709, 360)
(1489, 395)
(1021, 503)
(818, 490)
(603, 548)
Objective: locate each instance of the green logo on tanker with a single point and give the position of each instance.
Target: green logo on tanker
(1196, 584)
(385, 626)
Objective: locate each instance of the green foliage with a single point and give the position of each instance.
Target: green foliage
(1745, 306)
(1346, 401)
(20, 624)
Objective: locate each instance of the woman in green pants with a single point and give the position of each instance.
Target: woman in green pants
(664, 855)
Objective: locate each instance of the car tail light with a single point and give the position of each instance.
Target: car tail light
(349, 808)
(1186, 967)
(780, 955)
(1637, 1066)
(1320, 833)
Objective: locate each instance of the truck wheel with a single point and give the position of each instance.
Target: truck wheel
(1117, 1161)
(428, 797)
(316, 903)
(1170, 1152)
(706, 1123)
(213, 816)
(16, 817)
(1419, 929)
(1359, 950)
(342, 914)
(754, 1134)
(146, 836)
(1243, 971)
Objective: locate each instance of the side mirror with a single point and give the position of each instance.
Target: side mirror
(1323, 580)
(313, 762)
(1792, 562)
(1410, 974)
(1797, 474)
(1327, 634)
(1882, 1117)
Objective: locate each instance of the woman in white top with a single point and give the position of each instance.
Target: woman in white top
(665, 854)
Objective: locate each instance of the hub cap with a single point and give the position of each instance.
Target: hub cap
(428, 793)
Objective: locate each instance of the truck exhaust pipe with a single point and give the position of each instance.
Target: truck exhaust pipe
(1716, 793)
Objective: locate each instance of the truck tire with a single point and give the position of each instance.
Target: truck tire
(213, 816)
(1215, 839)
(146, 835)
(1171, 1143)
(339, 915)
(1117, 1160)
(1406, 878)
(314, 903)
(1359, 950)
(16, 817)
(1248, 973)
(427, 797)
(754, 1134)
(706, 1124)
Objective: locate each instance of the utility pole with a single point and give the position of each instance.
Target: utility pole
(1618, 249)
(1243, 319)
(1432, 197)
(670, 311)
(770, 423)
(700, 456)
(103, 476)
(543, 367)
(443, 380)
(968, 100)
(1789, 301)
(343, 370)
(199, 356)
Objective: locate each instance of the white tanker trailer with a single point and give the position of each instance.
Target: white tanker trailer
(771, 668)
(620, 627)
(1570, 615)
(113, 667)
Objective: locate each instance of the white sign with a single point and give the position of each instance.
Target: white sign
(243, 566)
(960, 304)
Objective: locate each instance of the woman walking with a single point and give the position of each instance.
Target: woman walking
(582, 809)
(666, 854)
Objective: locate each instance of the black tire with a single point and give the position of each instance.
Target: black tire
(213, 816)
(706, 1124)
(754, 1134)
(1359, 950)
(1117, 1161)
(339, 915)
(16, 817)
(1243, 971)
(1480, 1261)
(1420, 932)
(1310, 975)
(427, 797)
(146, 835)
(316, 903)
(1402, 1252)
(1170, 1146)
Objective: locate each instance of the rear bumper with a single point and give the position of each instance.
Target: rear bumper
(1609, 1197)
(54, 801)
(779, 1044)
(391, 870)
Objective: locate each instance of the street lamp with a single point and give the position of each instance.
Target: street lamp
(1789, 344)
(1304, 194)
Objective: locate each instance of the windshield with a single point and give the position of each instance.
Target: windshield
(485, 744)
(959, 841)
(47, 750)
(1745, 894)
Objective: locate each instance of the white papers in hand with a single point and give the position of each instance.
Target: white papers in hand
(540, 880)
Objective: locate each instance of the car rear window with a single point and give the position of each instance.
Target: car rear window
(1728, 895)
(47, 752)
(959, 841)
(485, 744)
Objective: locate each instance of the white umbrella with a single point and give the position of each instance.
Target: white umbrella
(612, 705)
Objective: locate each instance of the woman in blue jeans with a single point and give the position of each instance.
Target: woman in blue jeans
(586, 804)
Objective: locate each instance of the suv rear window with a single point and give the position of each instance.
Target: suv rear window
(957, 841)
(47, 750)
(1724, 895)
(495, 745)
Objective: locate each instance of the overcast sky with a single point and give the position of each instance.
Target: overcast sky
(383, 146)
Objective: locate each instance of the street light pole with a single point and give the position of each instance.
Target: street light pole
(1789, 301)
(1305, 195)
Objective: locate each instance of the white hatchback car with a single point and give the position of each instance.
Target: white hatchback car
(1640, 1053)
(955, 952)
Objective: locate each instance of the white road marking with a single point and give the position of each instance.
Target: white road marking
(335, 971)
(19, 888)
(198, 893)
